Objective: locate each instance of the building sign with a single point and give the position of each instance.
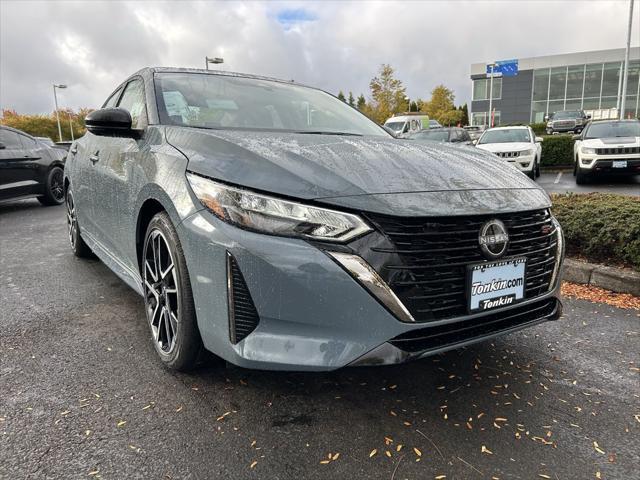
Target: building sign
(504, 68)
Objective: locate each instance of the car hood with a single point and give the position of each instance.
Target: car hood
(611, 142)
(344, 169)
(505, 147)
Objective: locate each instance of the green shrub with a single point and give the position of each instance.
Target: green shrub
(538, 128)
(600, 227)
(557, 150)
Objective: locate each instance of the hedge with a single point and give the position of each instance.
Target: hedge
(557, 150)
(539, 128)
(600, 227)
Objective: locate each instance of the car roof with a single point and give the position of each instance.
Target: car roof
(16, 130)
(152, 70)
(518, 127)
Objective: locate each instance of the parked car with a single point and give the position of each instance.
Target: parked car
(28, 168)
(518, 145)
(275, 226)
(444, 134)
(474, 131)
(46, 141)
(610, 147)
(404, 126)
(566, 121)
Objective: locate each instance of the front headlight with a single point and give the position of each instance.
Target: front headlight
(275, 216)
(531, 151)
(588, 150)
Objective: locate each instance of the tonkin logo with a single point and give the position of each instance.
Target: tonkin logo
(493, 239)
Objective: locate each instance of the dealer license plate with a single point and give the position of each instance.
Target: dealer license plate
(496, 284)
(619, 164)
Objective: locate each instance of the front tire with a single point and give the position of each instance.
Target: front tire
(168, 297)
(53, 188)
(582, 178)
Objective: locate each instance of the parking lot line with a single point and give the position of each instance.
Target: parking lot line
(558, 177)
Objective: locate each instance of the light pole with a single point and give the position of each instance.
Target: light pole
(625, 74)
(490, 119)
(408, 100)
(55, 101)
(215, 60)
(71, 127)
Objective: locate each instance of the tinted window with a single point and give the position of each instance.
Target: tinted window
(613, 129)
(226, 102)
(434, 135)
(111, 101)
(133, 101)
(11, 140)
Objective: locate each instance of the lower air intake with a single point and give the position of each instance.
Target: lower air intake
(243, 316)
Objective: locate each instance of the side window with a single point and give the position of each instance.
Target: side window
(133, 101)
(454, 136)
(111, 101)
(28, 142)
(465, 136)
(11, 140)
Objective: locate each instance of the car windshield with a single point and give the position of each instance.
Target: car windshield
(566, 114)
(435, 135)
(505, 136)
(226, 102)
(613, 129)
(395, 126)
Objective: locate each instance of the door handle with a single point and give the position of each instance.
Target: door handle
(95, 157)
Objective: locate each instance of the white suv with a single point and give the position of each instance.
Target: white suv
(517, 145)
(608, 147)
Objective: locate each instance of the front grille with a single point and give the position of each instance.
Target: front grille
(564, 124)
(508, 154)
(617, 150)
(439, 336)
(243, 316)
(425, 260)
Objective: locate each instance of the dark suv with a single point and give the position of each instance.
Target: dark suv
(29, 168)
(566, 121)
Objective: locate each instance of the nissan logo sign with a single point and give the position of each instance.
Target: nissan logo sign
(493, 239)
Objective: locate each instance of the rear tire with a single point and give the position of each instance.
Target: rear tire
(168, 297)
(537, 169)
(53, 188)
(78, 246)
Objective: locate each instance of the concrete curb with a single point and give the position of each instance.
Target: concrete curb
(609, 278)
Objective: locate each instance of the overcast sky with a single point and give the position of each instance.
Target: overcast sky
(94, 45)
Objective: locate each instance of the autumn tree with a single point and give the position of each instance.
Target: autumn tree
(341, 96)
(441, 107)
(47, 125)
(351, 100)
(387, 95)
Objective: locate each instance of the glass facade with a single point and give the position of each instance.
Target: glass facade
(482, 87)
(594, 88)
(482, 118)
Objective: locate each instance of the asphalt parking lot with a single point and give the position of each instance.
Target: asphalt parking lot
(84, 397)
(564, 181)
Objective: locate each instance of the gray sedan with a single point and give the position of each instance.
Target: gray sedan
(277, 227)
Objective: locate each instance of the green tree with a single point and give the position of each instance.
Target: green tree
(464, 120)
(441, 107)
(351, 100)
(341, 96)
(387, 95)
(361, 103)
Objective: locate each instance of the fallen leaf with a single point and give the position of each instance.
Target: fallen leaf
(486, 450)
(418, 452)
(597, 447)
(373, 452)
(254, 463)
(121, 423)
(335, 457)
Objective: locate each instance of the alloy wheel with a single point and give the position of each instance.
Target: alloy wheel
(72, 221)
(57, 185)
(161, 291)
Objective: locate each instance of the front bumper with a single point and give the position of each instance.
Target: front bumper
(524, 163)
(313, 315)
(604, 164)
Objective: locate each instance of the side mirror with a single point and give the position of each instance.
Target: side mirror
(576, 137)
(110, 122)
(539, 139)
(546, 118)
(474, 142)
(2, 146)
(588, 117)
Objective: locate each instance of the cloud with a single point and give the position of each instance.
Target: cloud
(93, 46)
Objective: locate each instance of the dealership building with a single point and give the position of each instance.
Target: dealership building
(529, 88)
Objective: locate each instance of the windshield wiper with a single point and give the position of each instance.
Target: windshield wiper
(320, 132)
